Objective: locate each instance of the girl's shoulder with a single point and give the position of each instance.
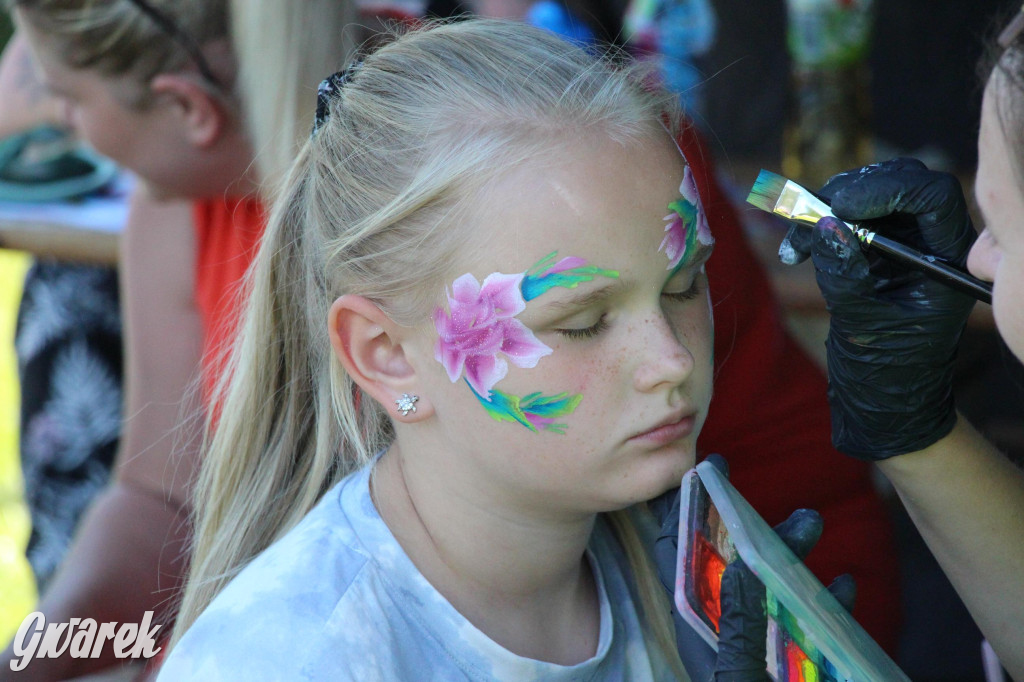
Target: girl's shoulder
(286, 603)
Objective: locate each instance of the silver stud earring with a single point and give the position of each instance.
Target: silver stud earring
(407, 404)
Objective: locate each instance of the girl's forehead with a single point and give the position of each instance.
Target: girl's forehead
(596, 198)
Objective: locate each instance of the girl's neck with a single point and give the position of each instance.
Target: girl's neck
(525, 582)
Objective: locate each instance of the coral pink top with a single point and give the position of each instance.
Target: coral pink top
(228, 231)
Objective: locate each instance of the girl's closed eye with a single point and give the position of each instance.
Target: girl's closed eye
(586, 332)
(695, 289)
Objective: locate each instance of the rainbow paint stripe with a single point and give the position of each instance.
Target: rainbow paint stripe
(797, 658)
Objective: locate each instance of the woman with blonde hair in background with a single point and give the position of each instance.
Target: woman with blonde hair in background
(153, 85)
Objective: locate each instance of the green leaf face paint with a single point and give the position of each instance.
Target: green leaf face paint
(568, 273)
(534, 411)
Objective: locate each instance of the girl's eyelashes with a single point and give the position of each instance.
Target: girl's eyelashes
(696, 288)
(586, 332)
(691, 293)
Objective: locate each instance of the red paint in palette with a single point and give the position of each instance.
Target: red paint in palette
(710, 568)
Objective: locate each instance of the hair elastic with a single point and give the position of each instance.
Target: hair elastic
(327, 89)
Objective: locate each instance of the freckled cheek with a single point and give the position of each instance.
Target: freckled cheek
(580, 377)
(696, 333)
(571, 375)
(591, 375)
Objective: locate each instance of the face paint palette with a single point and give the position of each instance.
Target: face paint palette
(811, 637)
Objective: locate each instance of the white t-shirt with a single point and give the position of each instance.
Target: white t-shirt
(338, 599)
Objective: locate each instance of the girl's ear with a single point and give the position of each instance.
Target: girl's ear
(369, 345)
(202, 113)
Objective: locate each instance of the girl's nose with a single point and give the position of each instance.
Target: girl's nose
(664, 361)
(984, 257)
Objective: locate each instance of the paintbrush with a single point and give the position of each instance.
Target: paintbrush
(775, 194)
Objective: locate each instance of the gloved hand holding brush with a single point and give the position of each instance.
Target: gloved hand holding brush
(894, 331)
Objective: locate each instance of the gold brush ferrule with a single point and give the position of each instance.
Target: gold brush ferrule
(797, 204)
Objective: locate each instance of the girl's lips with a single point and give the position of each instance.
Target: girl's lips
(667, 433)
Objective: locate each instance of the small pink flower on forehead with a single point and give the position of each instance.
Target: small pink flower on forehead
(687, 223)
(480, 324)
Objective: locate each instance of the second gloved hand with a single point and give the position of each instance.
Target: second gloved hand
(743, 625)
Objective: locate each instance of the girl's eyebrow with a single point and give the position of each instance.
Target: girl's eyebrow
(588, 298)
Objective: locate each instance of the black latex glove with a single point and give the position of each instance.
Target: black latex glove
(743, 623)
(894, 332)
(742, 627)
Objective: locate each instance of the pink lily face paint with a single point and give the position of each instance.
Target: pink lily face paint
(479, 336)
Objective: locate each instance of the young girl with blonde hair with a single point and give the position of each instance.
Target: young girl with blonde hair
(478, 339)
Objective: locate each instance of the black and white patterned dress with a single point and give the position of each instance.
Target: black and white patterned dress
(68, 344)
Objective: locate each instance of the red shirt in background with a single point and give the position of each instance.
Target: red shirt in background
(228, 231)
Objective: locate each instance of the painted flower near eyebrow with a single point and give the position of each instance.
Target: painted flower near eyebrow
(687, 223)
(481, 324)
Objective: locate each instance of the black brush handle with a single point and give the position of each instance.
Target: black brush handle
(939, 270)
